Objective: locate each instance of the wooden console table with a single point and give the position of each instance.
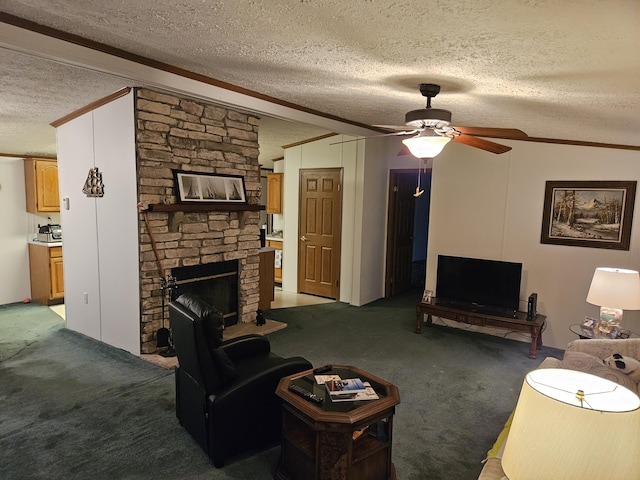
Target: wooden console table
(519, 323)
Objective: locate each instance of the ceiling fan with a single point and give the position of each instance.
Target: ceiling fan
(433, 126)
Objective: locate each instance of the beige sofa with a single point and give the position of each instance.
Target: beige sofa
(585, 356)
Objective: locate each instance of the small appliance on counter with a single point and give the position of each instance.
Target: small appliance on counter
(49, 233)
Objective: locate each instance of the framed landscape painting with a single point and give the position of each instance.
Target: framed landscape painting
(206, 188)
(595, 214)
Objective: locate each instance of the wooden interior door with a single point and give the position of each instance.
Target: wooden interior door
(400, 232)
(319, 231)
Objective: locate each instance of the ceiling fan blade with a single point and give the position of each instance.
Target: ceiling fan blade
(507, 133)
(391, 127)
(481, 143)
(399, 127)
(375, 136)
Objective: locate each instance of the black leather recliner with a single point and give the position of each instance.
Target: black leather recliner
(225, 390)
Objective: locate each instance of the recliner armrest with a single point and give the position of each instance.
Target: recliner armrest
(245, 346)
(262, 377)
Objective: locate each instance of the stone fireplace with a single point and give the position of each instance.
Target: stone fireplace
(179, 133)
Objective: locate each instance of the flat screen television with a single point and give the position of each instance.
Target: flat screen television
(488, 286)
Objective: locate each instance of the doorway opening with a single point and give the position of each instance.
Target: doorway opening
(407, 231)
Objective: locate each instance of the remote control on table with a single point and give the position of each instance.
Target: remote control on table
(306, 394)
(323, 369)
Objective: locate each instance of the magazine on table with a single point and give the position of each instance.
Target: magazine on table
(344, 388)
(349, 389)
(368, 394)
(321, 379)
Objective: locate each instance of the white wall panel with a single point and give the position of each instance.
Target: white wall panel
(370, 220)
(319, 154)
(14, 253)
(79, 246)
(117, 220)
(100, 247)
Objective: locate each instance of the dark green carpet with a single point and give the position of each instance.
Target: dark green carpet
(21, 324)
(71, 407)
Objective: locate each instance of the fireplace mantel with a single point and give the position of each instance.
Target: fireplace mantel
(204, 207)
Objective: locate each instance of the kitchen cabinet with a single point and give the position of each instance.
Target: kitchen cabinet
(41, 185)
(277, 271)
(274, 192)
(267, 295)
(47, 276)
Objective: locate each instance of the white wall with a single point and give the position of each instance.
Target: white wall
(100, 248)
(14, 251)
(482, 205)
(79, 246)
(319, 154)
(364, 211)
(490, 206)
(381, 157)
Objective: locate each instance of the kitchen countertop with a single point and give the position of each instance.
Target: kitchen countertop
(44, 244)
(275, 239)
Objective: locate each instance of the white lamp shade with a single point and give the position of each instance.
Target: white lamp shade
(615, 288)
(426, 146)
(553, 438)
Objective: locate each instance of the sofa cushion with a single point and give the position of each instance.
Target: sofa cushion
(587, 363)
(629, 365)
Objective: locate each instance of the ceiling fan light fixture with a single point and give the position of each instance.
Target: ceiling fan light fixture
(428, 118)
(424, 145)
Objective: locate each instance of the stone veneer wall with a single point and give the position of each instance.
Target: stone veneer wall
(179, 133)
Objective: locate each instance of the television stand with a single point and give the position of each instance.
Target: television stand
(519, 323)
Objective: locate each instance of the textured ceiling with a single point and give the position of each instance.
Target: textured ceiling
(555, 69)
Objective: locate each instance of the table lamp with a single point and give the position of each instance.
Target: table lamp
(573, 425)
(614, 290)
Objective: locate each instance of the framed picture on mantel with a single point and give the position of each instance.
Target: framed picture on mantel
(195, 187)
(595, 214)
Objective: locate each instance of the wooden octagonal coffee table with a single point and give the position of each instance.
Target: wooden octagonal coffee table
(336, 439)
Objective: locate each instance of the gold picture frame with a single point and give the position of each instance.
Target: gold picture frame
(596, 214)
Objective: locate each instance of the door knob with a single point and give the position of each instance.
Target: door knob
(303, 238)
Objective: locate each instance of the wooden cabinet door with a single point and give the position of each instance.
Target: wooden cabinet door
(47, 186)
(57, 277)
(45, 268)
(277, 271)
(41, 185)
(274, 192)
(266, 270)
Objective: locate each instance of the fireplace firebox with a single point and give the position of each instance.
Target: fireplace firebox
(215, 283)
